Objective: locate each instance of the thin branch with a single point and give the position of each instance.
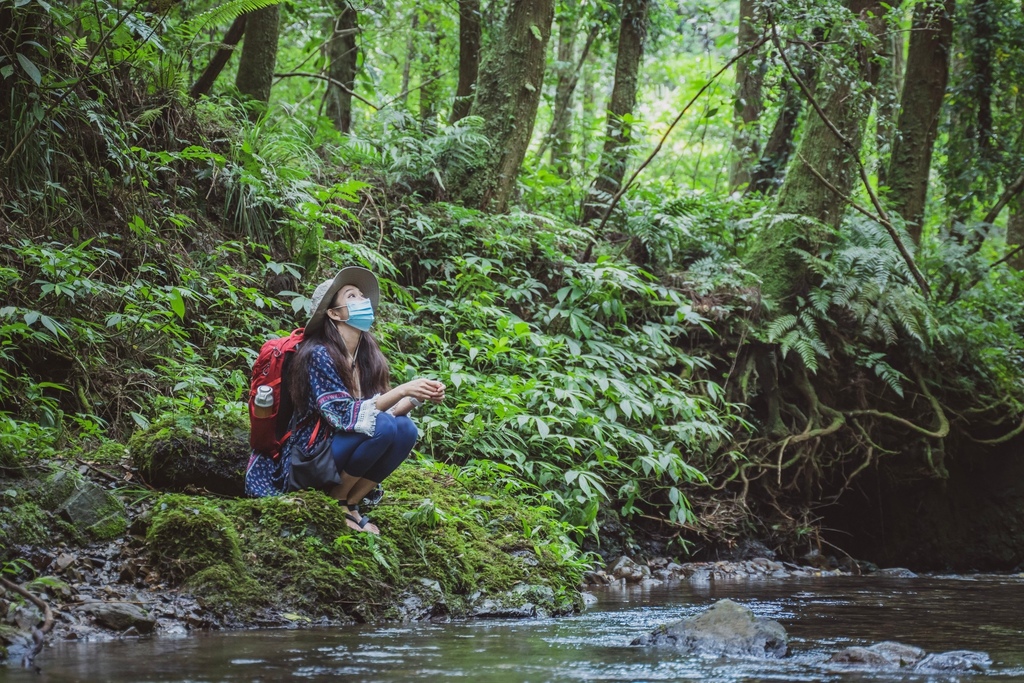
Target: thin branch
(40, 635)
(332, 81)
(883, 217)
(1012, 190)
(622, 190)
(425, 83)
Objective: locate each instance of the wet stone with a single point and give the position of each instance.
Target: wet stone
(726, 628)
(954, 661)
(120, 616)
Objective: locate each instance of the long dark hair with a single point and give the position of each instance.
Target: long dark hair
(374, 374)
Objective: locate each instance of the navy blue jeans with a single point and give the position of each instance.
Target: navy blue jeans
(374, 457)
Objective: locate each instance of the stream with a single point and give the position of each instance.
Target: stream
(821, 615)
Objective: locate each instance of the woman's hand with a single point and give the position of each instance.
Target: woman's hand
(423, 389)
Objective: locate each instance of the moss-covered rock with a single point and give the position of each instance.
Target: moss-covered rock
(194, 452)
(90, 510)
(189, 534)
(445, 544)
(21, 523)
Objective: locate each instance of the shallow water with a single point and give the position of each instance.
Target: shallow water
(822, 615)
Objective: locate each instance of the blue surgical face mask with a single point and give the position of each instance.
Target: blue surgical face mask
(360, 315)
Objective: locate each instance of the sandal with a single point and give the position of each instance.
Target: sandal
(358, 518)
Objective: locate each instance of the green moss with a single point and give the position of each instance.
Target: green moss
(22, 523)
(178, 435)
(296, 553)
(111, 453)
(229, 590)
(188, 534)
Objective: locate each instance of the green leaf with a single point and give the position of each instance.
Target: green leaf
(6, 71)
(140, 420)
(31, 69)
(536, 32)
(178, 304)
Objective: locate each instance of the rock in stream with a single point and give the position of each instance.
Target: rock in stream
(726, 628)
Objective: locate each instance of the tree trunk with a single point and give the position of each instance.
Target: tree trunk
(508, 93)
(557, 137)
(1015, 231)
(430, 74)
(343, 54)
(767, 174)
(259, 54)
(632, 34)
(917, 125)
(887, 96)
(469, 57)
(747, 114)
(220, 59)
(784, 273)
(410, 55)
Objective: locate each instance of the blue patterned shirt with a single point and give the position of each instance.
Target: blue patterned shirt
(331, 400)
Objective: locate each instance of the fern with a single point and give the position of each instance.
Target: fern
(220, 14)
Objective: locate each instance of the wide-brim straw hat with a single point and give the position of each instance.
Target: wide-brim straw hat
(325, 292)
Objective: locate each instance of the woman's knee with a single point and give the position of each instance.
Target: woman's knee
(405, 429)
(386, 428)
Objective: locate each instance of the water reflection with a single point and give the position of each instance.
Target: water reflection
(821, 616)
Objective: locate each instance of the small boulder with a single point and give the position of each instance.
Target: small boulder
(954, 661)
(628, 570)
(121, 616)
(85, 505)
(895, 573)
(727, 628)
(885, 655)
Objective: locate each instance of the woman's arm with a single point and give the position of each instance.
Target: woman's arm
(421, 389)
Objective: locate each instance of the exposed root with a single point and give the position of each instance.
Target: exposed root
(39, 634)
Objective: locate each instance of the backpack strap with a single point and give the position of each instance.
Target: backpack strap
(312, 437)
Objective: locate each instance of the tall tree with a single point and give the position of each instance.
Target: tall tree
(342, 53)
(568, 69)
(220, 58)
(845, 100)
(887, 96)
(430, 71)
(618, 132)
(259, 54)
(508, 93)
(747, 114)
(469, 57)
(917, 124)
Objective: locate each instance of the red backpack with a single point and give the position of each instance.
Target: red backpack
(268, 434)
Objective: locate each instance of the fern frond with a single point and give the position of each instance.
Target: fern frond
(221, 14)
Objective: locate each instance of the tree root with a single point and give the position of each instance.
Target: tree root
(941, 432)
(1019, 429)
(39, 634)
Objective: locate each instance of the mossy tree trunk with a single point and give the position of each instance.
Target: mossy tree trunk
(343, 54)
(430, 73)
(887, 96)
(1015, 231)
(748, 103)
(846, 101)
(508, 93)
(618, 127)
(924, 88)
(469, 57)
(259, 54)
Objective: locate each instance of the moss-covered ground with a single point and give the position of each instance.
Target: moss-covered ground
(294, 553)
